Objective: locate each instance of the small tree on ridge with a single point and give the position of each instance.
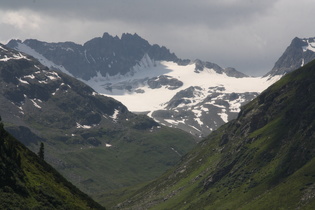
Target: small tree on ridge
(41, 151)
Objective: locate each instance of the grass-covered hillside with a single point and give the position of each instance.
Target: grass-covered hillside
(28, 182)
(265, 159)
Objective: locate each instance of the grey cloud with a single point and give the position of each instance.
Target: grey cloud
(211, 13)
(247, 34)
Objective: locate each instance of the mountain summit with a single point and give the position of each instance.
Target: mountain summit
(300, 52)
(106, 55)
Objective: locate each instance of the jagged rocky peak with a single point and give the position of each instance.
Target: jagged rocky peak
(13, 43)
(300, 52)
(106, 55)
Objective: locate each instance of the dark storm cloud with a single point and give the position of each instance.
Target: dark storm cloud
(247, 34)
(211, 13)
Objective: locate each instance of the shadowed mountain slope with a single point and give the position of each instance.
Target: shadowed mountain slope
(264, 159)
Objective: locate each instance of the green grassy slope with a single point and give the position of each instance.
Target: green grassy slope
(265, 159)
(28, 182)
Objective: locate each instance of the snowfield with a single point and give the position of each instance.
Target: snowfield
(149, 100)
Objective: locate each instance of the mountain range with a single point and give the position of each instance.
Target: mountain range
(264, 159)
(91, 139)
(150, 79)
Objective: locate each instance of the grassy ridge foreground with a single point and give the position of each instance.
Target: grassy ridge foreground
(28, 182)
(265, 159)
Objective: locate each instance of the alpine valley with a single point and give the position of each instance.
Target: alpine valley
(91, 139)
(264, 159)
(76, 99)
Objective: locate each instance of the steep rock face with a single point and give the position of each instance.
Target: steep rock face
(93, 140)
(264, 159)
(298, 53)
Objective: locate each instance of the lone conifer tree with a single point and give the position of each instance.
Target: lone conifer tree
(41, 151)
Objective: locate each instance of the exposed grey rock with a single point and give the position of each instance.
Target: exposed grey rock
(163, 80)
(107, 54)
(231, 72)
(139, 91)
(293, 57)
(181, 97)
(200, 65)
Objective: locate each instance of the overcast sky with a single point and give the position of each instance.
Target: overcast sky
(249, 35)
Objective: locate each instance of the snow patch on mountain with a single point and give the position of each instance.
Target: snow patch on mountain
(115, 115)
(224, 116)
(83, 126)
(310, 45)
(35, 104)
(16, 56)
(23, 81)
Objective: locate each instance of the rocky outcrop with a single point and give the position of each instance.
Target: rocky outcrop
(163, 80)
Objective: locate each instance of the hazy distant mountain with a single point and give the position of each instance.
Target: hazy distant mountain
(298, 53)
(93, 140)
(195, 96)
